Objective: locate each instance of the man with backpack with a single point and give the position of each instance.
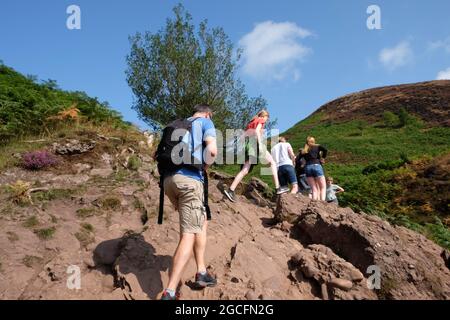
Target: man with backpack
(182, 163)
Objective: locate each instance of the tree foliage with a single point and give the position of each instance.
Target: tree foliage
(174, 69)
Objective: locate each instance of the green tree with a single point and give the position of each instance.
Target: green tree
(178, 67)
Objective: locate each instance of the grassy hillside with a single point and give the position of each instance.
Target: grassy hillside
(31, 108)
(32, 111)
(394, 164)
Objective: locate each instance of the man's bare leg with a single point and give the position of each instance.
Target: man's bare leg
(200, 248)
(180, 259)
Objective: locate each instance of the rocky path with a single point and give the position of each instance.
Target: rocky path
(100, 220)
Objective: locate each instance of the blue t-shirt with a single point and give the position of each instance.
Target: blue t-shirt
(201, 129)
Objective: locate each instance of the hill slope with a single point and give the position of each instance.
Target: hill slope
(28, 107)
(380, 141)
(429, 101)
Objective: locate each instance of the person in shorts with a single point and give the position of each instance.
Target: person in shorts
(184, 188)
(314, 155)
(284, 157)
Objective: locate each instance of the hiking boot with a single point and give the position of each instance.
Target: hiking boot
(204, 280)
(230, 194)
(167, 296)
(282, 190)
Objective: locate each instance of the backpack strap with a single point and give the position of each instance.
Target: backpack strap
(205, 191)
(161, 199)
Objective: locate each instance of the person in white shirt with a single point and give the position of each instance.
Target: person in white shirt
(284, 157)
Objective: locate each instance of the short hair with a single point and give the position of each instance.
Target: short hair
(203, 108)
(282, 139)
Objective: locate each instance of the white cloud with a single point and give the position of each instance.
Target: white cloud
(273, 50)
(398, 56)
(441, 44)
(444, 75)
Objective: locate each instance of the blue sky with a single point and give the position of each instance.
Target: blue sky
(297, 54)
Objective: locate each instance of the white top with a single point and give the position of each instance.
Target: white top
(280, 154)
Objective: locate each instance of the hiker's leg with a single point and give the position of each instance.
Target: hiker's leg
(180, 259)
(244, 171)
(273, 168)
(199, 248)
(314, 188)
(294, 188)
(322, 185)
(292, 178)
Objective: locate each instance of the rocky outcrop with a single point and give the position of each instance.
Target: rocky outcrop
(411, 266)
(336, 278)
(289, 208)
(73, 147)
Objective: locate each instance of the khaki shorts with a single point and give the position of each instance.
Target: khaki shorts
(187, 196)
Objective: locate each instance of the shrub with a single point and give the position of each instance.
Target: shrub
(134, 163)
(36, 160)
(19, 192)
(390, 119)
(403, 117)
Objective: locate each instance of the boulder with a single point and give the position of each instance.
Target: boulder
(289, 207)
(332, 273)
(368, 242)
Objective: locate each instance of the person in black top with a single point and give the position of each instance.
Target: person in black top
(314, 155)
(300, 163)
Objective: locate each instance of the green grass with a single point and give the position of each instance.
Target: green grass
(46, 233)
(110, 203)
(88, 227)
(31, 261)
(84, 213)
(31, 222)
(53, 194)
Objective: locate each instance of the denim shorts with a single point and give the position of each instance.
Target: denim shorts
(314, 171)
(286, 175)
